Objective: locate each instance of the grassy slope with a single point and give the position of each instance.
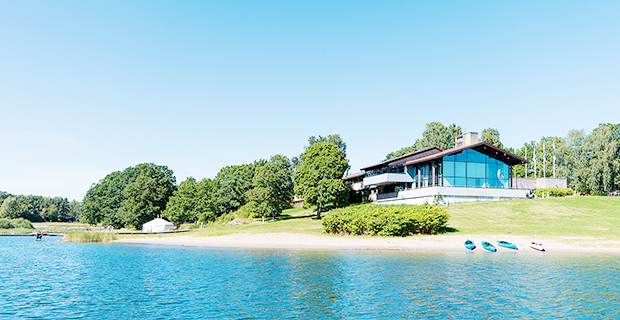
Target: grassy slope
(296, 220)
(597, 217)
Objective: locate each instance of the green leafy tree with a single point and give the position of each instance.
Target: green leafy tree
(74, 210)
(319, 178)
(273, 186)
(435, 135)
(491, 136)
(145, 199)
(600, 175)
(102, 202)
(234, 182)
(193, 200)
(334, 139)
(11, 208)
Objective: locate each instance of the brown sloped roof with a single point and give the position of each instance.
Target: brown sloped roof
(482, 147)
(354, 175)
(405, 158)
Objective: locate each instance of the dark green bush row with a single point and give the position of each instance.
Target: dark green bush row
(553, 192)
(386, 220)
(19, 223)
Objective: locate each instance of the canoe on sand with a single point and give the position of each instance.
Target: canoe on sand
(470, 245)
(507, 244)
(537, 246)
(488, 246)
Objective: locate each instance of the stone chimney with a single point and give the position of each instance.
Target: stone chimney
(466, 139)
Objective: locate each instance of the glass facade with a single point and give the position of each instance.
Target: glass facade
(471, 168)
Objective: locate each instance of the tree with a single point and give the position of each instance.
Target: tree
(11, 208)
(102, 202)
(74, 211)
(193, 200)
(601, 172)
(145, 199)
(435, 135)
(334, 139)
(319, 178)
(491, 136)
(234, 182)
(273, 186)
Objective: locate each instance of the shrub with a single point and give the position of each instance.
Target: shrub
(5, 223)
(553, 192)
(19, 223)
(386, 220)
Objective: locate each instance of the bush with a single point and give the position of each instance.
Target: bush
(553, 192)
(19, 223)
(5, 223)
(386, 220)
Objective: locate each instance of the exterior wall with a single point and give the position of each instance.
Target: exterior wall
(449, 195)
(387, 178)
(540, 183)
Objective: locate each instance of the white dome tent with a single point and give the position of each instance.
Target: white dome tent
(157, 225)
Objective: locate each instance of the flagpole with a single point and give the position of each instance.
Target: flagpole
(526, 162)
(535, 173)
(544, 161)
(553, 159)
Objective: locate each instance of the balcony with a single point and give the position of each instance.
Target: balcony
(387, 178)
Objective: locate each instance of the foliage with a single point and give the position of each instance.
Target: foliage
(37, 208)
(435, 135)
(105, 201)
(234, 182)
(19, 223)
(386, 220)
(603, 164)
(145, 199)
(192, 201)
(334, 139)
(89, 237)
(319, 178)
(273, 187)
(553, 192)
(491, 136)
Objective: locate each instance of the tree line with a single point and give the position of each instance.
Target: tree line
(38, 208)
(589, 162)
(264, 188)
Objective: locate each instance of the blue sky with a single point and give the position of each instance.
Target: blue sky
(91, 87)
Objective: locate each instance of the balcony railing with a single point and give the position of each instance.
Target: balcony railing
(387, 178)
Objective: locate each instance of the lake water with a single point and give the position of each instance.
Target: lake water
(50, 279)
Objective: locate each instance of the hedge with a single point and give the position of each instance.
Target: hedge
(386, 220)
(553, 192)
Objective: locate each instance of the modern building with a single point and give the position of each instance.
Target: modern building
(469, 172)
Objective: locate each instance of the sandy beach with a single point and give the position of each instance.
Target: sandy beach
(434, 243)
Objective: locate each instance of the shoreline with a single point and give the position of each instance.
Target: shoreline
(419, 243)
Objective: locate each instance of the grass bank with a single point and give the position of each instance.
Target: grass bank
(295, 220)
(594, 217)
(89, 237)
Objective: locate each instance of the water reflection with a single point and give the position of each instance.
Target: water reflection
(54, 280)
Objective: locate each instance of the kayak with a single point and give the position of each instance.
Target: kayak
(507, 244)
(488, 246)
(537, 246)
(470, 245)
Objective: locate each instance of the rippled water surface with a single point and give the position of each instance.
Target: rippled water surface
(55, 280)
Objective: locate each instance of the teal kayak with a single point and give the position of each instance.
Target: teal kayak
(507, 244)
(488, 246)
(470, 245)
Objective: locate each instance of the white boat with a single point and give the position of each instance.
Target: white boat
(537, 246)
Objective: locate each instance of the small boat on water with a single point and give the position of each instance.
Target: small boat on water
(470, 245)
(488, 246)
(507, 244)
(537, 246)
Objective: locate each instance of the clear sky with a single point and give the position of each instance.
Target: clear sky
(91, 87)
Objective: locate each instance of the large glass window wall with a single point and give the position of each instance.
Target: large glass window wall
(474, 169)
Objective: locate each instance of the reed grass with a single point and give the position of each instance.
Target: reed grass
(89, 237)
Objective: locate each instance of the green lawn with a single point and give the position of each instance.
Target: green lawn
(597, 217)
(296, 220)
